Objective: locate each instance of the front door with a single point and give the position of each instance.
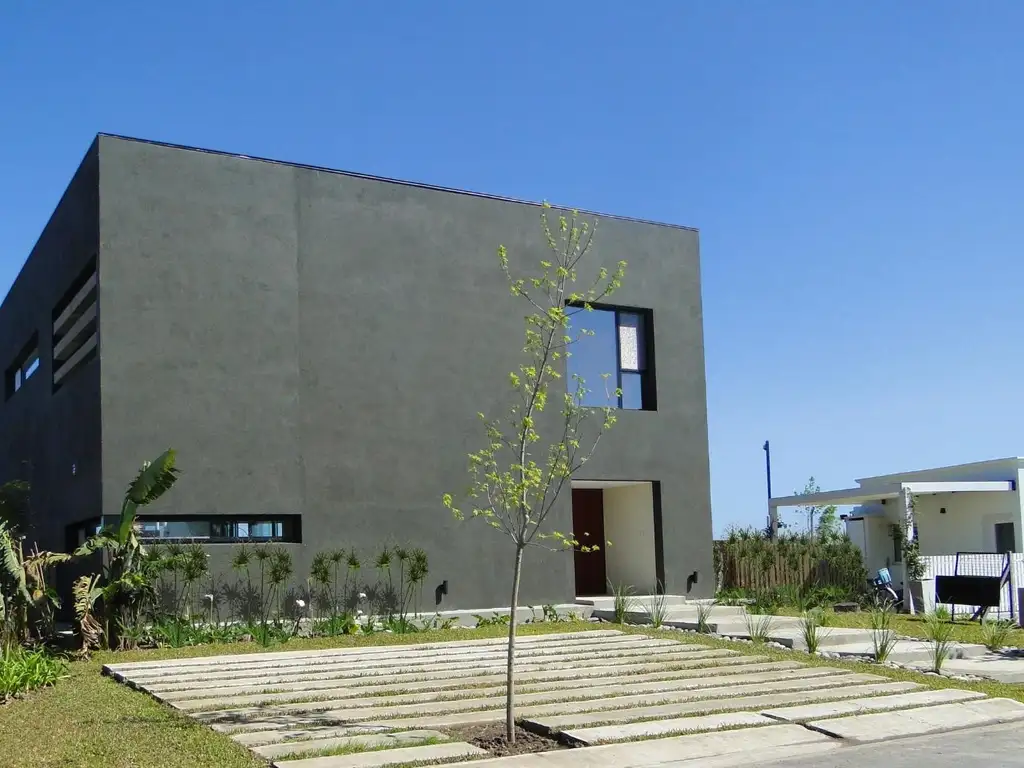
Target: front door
(588, 529)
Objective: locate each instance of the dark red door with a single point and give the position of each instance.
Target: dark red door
(588, 528)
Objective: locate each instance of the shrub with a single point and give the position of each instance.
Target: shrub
(624, 602)
(995, 633)
(942, 612)
(940, 633)
(810, 628)
(703, 614)
(883, 636)
(759, 628)
(657, 610)
(22, 670)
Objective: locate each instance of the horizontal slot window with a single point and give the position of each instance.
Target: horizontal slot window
(75, 325)
(220, 529)
(24, 367)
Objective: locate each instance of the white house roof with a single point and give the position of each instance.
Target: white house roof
(996, 475)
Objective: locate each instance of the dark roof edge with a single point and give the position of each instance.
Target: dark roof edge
(371, 177)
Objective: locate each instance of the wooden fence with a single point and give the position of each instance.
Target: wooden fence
(767, 570)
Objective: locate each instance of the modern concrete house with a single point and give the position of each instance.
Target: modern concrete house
(975, 510)
(316, 345)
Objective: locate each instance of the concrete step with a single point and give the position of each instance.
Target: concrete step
(905, 651)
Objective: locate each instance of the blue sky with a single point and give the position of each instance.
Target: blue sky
(854, 168)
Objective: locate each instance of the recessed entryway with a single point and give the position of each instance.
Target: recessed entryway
(622, 519)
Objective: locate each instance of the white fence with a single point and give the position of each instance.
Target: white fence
(981, 565)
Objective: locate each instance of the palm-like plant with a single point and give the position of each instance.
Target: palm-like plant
(24, 589)
(127, 581)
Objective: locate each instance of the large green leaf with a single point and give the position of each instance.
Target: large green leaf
(154, 479)
(11, 562)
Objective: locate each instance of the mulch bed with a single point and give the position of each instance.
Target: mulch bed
(491, 736)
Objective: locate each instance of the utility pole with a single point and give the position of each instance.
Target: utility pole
(773, 523)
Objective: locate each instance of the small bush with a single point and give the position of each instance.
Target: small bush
(995, 633)
(940, 633)
(703, 614)
(624, 602)
(22, 670)
(942, 613)
(759, 628)
(766, 602)
(657, 610)
(811, 629)
(883, 636)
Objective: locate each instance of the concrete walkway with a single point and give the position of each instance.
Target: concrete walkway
(965, 658)
(629, 699)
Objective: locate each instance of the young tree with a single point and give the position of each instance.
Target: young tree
(828, 516)
(518, 476)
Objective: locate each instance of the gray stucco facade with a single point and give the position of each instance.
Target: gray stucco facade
(318, 343)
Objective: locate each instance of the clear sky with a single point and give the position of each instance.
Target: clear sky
(855, 169)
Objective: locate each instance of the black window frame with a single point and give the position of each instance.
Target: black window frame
(1013, 536)
(21, 370)
(646, 353)
(291, 529)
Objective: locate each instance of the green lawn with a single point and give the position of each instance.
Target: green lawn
(89, 721)
(964, 631)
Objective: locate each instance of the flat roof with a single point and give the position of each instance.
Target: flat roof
(371, 177)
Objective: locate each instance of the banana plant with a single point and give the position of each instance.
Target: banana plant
(127, 581)
(24, 589)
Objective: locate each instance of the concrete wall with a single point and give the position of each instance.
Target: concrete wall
(629, 526)
(52, 439)
(969, 522)
(319, 343)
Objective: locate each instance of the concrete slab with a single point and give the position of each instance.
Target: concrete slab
(874, 704)
(336, 661)
(357, 697)
(411, 664)
(543, 717)
(281, 735)
(994, 666)
(662, 728)
(679, 750)
(525, 683)
(921, 721)
(383, 757)
(539, 671)
(215, 661)
(366, 741)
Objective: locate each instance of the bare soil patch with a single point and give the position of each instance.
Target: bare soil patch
(491, 736)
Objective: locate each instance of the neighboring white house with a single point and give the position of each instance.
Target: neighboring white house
(967, 508)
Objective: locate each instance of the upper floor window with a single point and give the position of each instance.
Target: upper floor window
(26, 364)
(75, 325)
(612, 351)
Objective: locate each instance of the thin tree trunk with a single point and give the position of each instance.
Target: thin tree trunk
(510, 677)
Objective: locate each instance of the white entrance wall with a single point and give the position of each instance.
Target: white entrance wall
(968, 524)
(629, 527)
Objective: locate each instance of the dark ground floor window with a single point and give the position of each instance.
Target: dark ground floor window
(212, 529)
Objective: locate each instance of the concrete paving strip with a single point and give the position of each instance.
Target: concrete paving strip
(410, 661)
(556, 721)
(921, 721)
(282, 735)
(695, 749)
(613, 699)
(449, 751)
(214, 661)
(356, 697)
(874, 704)
(525, 683)
(382, 655)
(661, 728)
(533, 671)
(384, 740)
(656, 655)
